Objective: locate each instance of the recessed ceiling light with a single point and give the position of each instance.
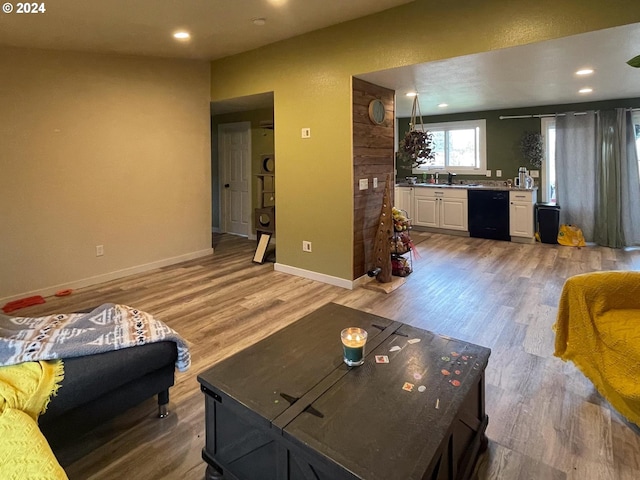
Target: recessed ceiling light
(585, 71)
(259, 21)
(443, 105)
(412, 94)
(182, 35)
(585, 90)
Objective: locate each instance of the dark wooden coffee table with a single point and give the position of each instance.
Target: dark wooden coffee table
(289, 408)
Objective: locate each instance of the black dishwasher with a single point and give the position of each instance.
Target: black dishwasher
(489, 214)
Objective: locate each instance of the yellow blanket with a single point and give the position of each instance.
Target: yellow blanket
(598, 329)
(25, 390)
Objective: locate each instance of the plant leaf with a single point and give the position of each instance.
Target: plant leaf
(635, 62)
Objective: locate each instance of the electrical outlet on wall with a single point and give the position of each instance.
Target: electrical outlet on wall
(363, 183)
(534, 173)
(498, 173)
(488, 173)
(375, 182)
(99, 250)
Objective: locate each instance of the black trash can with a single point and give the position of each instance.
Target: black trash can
(547, 222)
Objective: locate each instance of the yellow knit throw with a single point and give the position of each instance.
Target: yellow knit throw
(25, 391)
(598, 329)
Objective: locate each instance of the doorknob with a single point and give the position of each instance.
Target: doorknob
(226, 185)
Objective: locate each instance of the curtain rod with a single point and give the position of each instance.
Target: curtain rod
(545, 115)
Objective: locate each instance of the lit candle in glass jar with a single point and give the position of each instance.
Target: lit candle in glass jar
(353, 342)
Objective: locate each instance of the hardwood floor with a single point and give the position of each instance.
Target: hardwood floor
(546, 421)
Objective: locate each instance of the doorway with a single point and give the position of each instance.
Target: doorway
(234, 154)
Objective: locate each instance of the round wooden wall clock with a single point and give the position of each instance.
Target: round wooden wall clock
(376, 111)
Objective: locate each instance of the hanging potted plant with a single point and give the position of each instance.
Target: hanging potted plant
(417, 147)
(532, 148)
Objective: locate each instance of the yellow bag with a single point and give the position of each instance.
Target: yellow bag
(571, 236)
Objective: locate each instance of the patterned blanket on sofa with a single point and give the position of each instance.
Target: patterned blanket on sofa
(108, 327)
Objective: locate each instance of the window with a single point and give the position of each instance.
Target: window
(460, 147)
(548, 129)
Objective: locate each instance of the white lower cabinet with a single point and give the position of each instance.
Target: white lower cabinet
(447, 208)
(521, 222)
(404, 199)
(441, 208)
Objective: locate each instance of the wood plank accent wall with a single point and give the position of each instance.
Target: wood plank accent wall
(372, 157)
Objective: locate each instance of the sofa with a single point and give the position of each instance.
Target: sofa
(98, 387)
(117, 357)
(597, 330)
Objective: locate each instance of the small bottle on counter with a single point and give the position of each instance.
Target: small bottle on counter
(432, 180)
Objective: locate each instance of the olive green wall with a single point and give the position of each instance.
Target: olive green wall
(261, 144)
(503, 136)
(310, 76)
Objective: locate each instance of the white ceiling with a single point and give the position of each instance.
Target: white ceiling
(144, 27)
(531, 75)
(536, 74)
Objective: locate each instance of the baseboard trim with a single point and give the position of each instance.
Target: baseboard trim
(106, 277)
(320, 277)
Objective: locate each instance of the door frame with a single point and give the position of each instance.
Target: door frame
(224, 219)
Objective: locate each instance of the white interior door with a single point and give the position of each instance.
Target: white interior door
(234, 154)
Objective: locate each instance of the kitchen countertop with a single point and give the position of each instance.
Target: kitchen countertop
(468, 186)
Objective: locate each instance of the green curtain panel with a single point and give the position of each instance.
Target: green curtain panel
(618, 183)
(608, 231)
(630, 181)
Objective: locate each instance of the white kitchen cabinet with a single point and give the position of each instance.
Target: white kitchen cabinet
(404, 199)
(425, 207)
(441, 208)
(521, 222)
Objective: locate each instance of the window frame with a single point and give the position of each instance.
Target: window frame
(481, 153)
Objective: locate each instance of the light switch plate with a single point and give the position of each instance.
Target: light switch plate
(498, 173)
(375, 182)
(306, 133)
(488, 173)
(364, 183)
